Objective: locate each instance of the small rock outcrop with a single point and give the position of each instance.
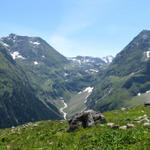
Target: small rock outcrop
(85, 119)
(147, 104)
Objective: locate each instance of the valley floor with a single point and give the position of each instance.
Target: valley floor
(53, 135)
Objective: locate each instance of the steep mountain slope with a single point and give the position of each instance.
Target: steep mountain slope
(42, 63)
(82, 71)
(127, 76)
(81, 76)
(33, 49)
(18, 103)
(52, 76)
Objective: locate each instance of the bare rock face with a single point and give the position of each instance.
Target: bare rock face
(147, 104)
(85, 119)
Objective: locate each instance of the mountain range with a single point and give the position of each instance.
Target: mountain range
(36, 80)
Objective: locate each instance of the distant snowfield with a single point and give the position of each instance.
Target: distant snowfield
(62, 109)
(88, 89)
(108, 59)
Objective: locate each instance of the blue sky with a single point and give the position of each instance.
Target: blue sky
(77, 27)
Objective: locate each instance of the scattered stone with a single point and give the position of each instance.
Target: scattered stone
(145, 116)
(138, 122)
(130, 125)
(144, 120)
(110, 124)
(85, 119)
(35, 125)
(123, 109)
(147, 104)
(146, 124)
(8, 147)
(123, 127)
(139, 118)
(115, 127)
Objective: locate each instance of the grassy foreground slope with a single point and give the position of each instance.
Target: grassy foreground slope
(52, 135)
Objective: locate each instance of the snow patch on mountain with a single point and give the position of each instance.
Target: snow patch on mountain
(35, 63)
(16, 55)
(4, 44)
(87, 90)
(108, 59)
(66, 74)
(80, 92)
(94, 70)
(88, 60)
(147, 53)
(139, 94)
(147, 91)
(75, 60)
(36, 43)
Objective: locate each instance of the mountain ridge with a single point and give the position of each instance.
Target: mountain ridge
(51, 76)
(54, 77)
(125, 77)
(17, 99)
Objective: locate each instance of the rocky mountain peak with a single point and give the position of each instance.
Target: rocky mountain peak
(145, 32)
(142, 40)
(92, 60)
(32, 49)
(108, 59)
(12, 35)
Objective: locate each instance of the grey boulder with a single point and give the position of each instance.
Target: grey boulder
(85, 119)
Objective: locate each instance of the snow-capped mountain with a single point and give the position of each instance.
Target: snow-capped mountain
(32, 49)
(108, 59)
(82, 60)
